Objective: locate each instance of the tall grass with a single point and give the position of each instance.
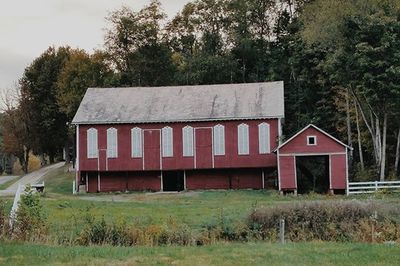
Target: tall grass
(343, 221)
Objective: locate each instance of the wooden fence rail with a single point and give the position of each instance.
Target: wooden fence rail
(371, 187)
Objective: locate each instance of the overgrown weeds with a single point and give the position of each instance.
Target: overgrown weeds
(31, 221)
(339, 221)
(342, 221)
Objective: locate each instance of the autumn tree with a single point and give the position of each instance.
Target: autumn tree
(39, 90)
(16, 127)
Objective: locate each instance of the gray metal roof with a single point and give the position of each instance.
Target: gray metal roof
(181, 103)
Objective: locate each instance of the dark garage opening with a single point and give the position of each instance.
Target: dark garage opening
(173, 181)
(312, 174)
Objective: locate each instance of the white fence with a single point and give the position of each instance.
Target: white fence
(371, 187)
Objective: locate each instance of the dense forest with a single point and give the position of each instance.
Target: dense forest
(339, 60)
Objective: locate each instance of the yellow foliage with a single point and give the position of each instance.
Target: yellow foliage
(34, 164)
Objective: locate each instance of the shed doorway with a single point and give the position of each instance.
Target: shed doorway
(173, 181)
(312, 174)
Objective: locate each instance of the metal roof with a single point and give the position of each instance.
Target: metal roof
(181, 103)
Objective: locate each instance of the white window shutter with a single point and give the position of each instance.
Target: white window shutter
(243, 139)
(219, 140)
(187, 139)
(264, 145)
(112, 143)
(92, 149)
(167, 142)
(136, 141)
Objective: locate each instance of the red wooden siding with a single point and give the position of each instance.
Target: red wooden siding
(287, 172)
(152, 161)
(338, 171)
(123, 181)
(151, 154)
(324, 144)
(224, 179)
(203, 148)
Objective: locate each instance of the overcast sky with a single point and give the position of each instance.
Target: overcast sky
(29, 27)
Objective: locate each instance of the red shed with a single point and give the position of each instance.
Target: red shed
(178, 138)
(309, 144)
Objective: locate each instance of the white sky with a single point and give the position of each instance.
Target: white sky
(29, 27)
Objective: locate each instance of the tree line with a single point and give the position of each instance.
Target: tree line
(339, 60)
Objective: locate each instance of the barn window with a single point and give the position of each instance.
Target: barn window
(112, 143)
(92, 149)
(311, 140)
(136, 141)
(187, 136)
(219, 140)
(167, 142)
(243, 139)
(264, 146)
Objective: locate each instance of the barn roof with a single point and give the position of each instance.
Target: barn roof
(181, 103)
(318, 129)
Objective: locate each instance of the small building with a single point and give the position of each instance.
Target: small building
(178, 138)
(309, 144)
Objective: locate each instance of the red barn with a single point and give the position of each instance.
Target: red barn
(312, 143)
(178, 138)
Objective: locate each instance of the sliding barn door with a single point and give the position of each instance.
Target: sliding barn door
(151, 154)
(203, 147)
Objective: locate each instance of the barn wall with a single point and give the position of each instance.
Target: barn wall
(124, 181)
(324, 144)
(124, 162)
(224, 179)
(92, 185)
(338, 172)
(287, 173)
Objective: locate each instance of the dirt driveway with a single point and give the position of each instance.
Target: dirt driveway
(31, 178)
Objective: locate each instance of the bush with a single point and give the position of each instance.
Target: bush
(326, 221)
(30, 223)
(3, 219)
(99, 232)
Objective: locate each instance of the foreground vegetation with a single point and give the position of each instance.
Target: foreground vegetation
(201, 228)
(220, 254)
(200, 217)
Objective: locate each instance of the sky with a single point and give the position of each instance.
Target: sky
(29, 27)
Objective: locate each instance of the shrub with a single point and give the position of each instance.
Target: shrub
(30, 223)
(326, 221)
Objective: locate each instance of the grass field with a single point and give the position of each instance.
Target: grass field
(221, 254)
(9, 182)
(65, 214)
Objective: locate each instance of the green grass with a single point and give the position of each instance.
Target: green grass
(59, 181)
(221, 254)
(195, 209)
(66, 211)
(9, 182)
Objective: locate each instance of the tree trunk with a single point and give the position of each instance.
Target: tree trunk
(396, 163)
(25, 165)
(67, 155)
(383, 149)
(51, 158)
(359, 140)
(349, 141)
(373, 129)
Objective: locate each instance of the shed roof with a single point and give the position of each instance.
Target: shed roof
(181, 103)
(318, 129)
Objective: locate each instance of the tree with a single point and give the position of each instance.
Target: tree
(16, 128)
(80, 72)
(39, 90)
(139, 53)
(361, 37)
